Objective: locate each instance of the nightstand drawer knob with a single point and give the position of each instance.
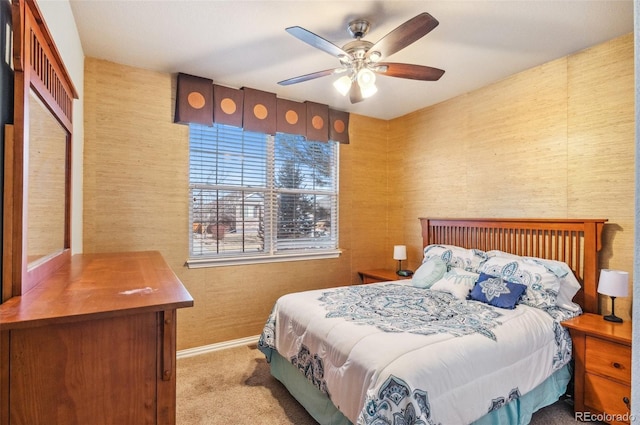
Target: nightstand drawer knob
(626, 401)
(617, 365)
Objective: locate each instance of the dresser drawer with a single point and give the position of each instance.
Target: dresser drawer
(603, 395)
(608, 359)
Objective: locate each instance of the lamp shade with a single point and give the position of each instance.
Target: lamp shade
(366, 78)
(614, 283)
(399, 252)
(343, 84)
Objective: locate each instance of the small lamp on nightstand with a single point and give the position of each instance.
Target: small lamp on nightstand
(400, 253)
(614, 283)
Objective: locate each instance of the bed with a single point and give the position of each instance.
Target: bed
(420, 351)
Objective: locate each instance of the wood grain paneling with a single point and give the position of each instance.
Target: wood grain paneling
(94, 385)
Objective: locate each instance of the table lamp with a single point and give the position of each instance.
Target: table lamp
(614, 283)
(400, 253)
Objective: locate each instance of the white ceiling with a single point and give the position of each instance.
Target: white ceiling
(244, 43)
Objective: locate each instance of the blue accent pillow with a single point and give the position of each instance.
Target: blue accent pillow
(495, 291)
(542, 285)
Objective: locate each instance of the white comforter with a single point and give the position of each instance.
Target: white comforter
(395, 352)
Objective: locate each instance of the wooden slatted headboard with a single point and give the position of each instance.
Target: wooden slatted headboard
(573, 241)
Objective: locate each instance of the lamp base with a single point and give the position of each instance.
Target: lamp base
(613, 318)
(404, 273)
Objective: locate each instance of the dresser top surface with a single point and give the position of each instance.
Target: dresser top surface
(98, 285)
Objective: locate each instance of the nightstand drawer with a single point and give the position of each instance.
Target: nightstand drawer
(608, 359)
(606, 396)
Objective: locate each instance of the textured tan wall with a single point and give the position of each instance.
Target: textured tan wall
(136, 198)
(553, 141)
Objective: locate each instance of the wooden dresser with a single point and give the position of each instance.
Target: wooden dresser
(602, 354)
(95, 343)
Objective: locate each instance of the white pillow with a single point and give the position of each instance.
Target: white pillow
(569, 285)
(458, 282)
(558, 268)
(455, 256)
(429, 272)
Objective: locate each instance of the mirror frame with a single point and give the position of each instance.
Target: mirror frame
(38, 66)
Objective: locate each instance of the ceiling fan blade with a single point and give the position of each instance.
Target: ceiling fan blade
(355, 93)
(316, 41)
(405, 70)
(407, 33)
(308, 77)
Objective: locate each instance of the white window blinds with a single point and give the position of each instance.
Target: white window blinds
(254, 195)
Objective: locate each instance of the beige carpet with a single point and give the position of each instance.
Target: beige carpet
(234, 386)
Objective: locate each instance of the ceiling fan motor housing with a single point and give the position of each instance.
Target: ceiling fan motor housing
(358, 28)
(357, 48)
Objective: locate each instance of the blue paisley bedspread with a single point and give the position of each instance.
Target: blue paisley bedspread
(394, 354)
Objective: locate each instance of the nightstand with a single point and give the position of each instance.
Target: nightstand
(602, 355)
(380, 275)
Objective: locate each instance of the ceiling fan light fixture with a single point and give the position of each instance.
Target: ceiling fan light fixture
(368, 91)
(375, 56)
(367, 82)
(343, 84)
(361, 59)
(366, 78)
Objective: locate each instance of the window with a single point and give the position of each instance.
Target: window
(256, 197)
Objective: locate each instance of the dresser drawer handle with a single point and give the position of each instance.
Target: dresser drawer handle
(626, 401)
(617, 365)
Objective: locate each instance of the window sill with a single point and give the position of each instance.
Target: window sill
(196, 263)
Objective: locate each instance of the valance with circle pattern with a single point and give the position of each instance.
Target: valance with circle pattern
(199, 100)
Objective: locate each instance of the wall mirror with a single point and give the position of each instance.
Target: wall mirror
(47, 185)
(37, 195)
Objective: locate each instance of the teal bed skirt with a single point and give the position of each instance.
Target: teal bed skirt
(518, 412)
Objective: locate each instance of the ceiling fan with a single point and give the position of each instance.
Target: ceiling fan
(360, 59)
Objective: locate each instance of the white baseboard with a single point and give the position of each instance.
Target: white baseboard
(189, 352)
